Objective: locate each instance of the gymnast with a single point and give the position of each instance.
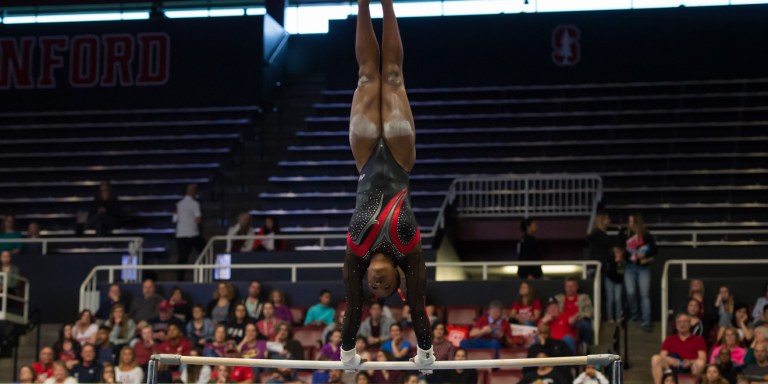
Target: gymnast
(383, 238)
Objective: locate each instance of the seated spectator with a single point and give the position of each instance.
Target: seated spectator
(144, 307)
(724, 304)
(200, 328)
(732, 342)
(197, 374)
(106, 213)
(241, 228)
(545, 374)
(743, 323)
(85, 328)
(490, 330)
(760, 303)
(526, 310)
(108, 373)
(88, 370)
(528, 250)
(410, 378)
(762, 320)
(145, 347)
(362, 378)
(27, 375)
(44, 367)
(442, 348)
(760, 367)
(361, 347)
(181, 308)
(267, 326)
(321, 314)
(405, 321)
(283, 375)
(385, 376)
(269, 230)
(396, 345)
(175, 343)
(219, 345)
(236, 374)
(560, 325)
(164, 319)
(551, 347)
(669, 378)
(253, 302)
(292, 349)
(66, 348)
(728, 369)
(9, 232)
(698, 327)
(127, 370)
(332, 349)
(681, 352)
(577, 306)
(237, 322)
(460, 376)
(222, 304)
(11, 269)
(712, 375)
(123, 327)
(282, 310)
(696, 291)
(591, 376)
(221, 375)
(744, 379)
(105, 350)
(251, 347)
(375, 328)
(115, 296)
(60, 375)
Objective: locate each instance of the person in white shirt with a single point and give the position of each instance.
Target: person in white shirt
(60, 375)
(591, 376)
(241, 228)
(128, 372)
(188, 218)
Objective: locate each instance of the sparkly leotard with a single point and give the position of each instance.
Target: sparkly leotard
(383, 222)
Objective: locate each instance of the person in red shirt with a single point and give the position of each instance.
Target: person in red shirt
(579, 307)
(490, 331)
(526, 310)
(561, 326)
(174, 342)
(682, 352)
(145, 347)
(44, 367)
(241, 375)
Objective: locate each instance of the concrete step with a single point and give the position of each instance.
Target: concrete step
(49, 333)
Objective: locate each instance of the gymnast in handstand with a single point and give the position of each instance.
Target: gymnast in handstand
(383, 237)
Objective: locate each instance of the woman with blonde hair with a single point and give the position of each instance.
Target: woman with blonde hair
(123, 327)
(128, 372)
(732, 342)
(220, 307)
(640, 249)
(60, 374)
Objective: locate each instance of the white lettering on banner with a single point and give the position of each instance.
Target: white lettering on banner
(107, 60)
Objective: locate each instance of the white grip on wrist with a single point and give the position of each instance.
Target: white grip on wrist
(424, 357)
(350, 358)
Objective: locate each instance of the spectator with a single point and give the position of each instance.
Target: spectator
(221, 374)
(758, 309)
(332, 349)
(106, 213)
(84, 330)
(361, 347)
(282, 310)
(88, 370)
(123, 327)
(545, 374)
(239, 374)
(237, 322)
(762, 320)
(724, 305)
(182, 309)
(105, 350)
(200, 328)
(712, 375)
(460, 376)
(591, 376)
(410, 378)
(66, 348)
(362, 378)
(251, 347)
(336, 325)
(321, 314)
(375, 328)
(669, 378)
(197, 374)
(44, 367)
(9, 232)
(490, 330)
(145, 306)
(292, 349)
(728, 370)
(60, 375)
(760, 367)
(241, 228)
(175, 343)
(267, 326)
(526, 310)
(115, 296)
(598, 241)
(163, 321)
(693, 309)
(730, 341)
(385, 376)
(681, 352)
(614, 283)
(253, 303)
(11, 269)
(641, 247)
(145, 347)
(219, 345)
(269, 230)
(108, 373)
(223, 299)
(283, 375)
(406, 321)
(188, 219)
(742, 323)
(27, 375)
(561, 326)
(528, 250)
(577, 306)
(696, 290)
(441, 347)
(128, 372)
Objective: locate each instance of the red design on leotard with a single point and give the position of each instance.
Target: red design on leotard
(393, 207)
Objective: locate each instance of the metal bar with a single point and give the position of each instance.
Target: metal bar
(152, 370)
(616, 374)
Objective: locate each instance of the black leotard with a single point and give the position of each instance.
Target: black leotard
(383, 222)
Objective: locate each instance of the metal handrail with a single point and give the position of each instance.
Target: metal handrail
(684, 272)
(5, 296)
(694, 234)
(134, 243)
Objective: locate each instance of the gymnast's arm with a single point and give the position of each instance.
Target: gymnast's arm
(354, 269)
(416, 288)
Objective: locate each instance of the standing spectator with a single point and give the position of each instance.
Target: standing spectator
(12, 270)
(44, 367)
(332, 349)
(197, 374)
(108, 373)
(237, 323)
(253, 302)
(730, 341)
(105, 350)
(561, 326)
(641, 247)
(396, 345)
(375, 328)
(269, 230)
(163, 321)
(282, 310)
(698, 327)
(115, 296)
(545, 374)
(9, 232)
(182, 309)
(724, 305)
(175, 343)
(60, 375)
(267, 326)
(188, 219)
(200, 328)
(123, 327)
(27, 375)
(219, 345)
(145, 306)
(490, 330)
(591, 376)
(88, 370)
(223, 299)
(614, 283)
(461, 376)
(760, 367)
(681, 352)
(85, 327)
(579, 306)
(241, 228)
(526, 310)
(759, 308)
(66, 348)
(145, 347)
(599, 242)
(384, 376)
(292, 349)
(712, 375)
(528, 250)
(106, 213)
(321, 313)
(128, 372)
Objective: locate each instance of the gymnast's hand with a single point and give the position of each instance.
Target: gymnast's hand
(350, 359)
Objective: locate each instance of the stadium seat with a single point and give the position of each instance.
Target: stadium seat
(505, 377)
(481, 354)
(298, 314)
(462, 315)
(309, 336)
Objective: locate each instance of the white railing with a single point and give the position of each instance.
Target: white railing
(89, 289)
(134, 243)
(6, 314)
(684, 273)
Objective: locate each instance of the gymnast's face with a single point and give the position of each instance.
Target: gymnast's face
(382, 276)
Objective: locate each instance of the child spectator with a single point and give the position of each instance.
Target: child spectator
(321, 314)
(526, 310)
(361, 347)
(108, 373)
(614, 284)
(591, 376)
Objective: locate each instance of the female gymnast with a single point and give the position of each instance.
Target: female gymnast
(383, 235)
